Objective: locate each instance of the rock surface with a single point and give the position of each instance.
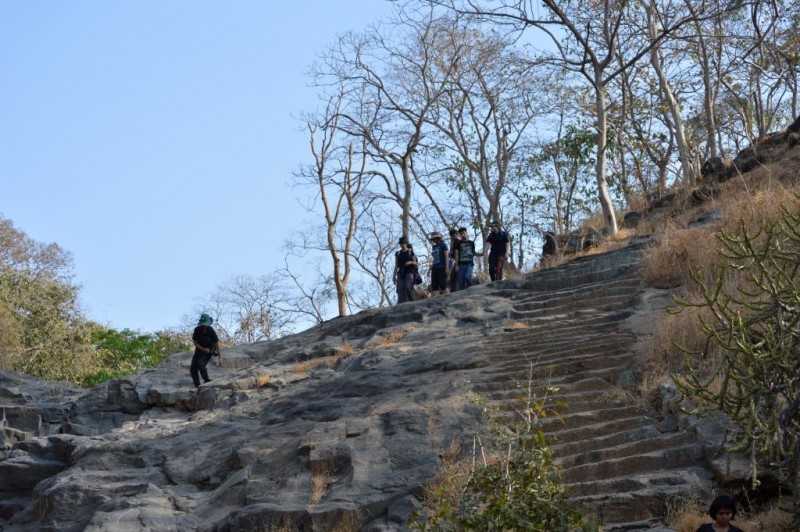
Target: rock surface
(340, 427)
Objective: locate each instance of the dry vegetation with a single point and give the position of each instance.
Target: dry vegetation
(680, 252)
(389, 338)
(689, 516)
(343, 352)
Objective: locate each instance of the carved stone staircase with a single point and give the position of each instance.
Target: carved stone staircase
(575, 342)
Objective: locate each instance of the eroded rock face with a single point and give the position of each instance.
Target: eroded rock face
(340, 426)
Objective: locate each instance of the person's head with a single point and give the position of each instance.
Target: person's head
(723, 510)
(436, 237)
(205, 319)
(494, 227)
(462, 232)
(403, 242)
(453, 232)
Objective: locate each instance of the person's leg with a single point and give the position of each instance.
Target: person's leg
(492, 266)
(498, 270)
(410, 286)
(463, 275)
(401, 292)
(202, 363)
(193, 369)
(468, 276)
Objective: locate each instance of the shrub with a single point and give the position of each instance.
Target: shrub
(748, 365)
(511, 484)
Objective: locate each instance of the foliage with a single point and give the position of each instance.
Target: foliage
(43, 332)
(749, 367)
(125, 352)
(513, 486)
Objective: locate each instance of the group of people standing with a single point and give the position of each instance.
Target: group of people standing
(451, 267)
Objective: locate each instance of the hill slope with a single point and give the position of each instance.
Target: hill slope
(340, 427)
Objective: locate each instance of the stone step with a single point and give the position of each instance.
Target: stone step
(643, 446)
(609, 374)
(555, 368)
(630, 505)
(588, 384)
(520, 296)
(567, 324)
(570, 448)
(693, 476)
(510, 350)
(598, 299)
(683, 456)
(589, 432)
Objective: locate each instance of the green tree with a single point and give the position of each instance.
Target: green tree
(125, 352)
(43, 331)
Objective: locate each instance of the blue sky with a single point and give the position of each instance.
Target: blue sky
(154, 140)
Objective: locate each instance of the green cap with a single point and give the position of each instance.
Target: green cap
(205, 319)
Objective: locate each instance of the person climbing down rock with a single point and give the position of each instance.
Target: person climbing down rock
(206, 345)
(465, 255)
(498, 240)
(405, 271)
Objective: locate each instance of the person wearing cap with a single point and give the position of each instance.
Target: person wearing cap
(438, 264)
(498, 240)
(405, 271)
(452, 264)
(465, 256)
(206, 345)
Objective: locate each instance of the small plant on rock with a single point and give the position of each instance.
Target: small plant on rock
(511, 483)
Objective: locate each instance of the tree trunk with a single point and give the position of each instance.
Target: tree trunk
(689, 173)
(405, 217)
(600, 167)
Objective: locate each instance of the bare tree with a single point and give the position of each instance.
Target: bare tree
(338, 174)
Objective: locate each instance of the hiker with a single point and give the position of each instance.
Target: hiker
(452, 280)
(498, 240)
(206, 345)
(405, 271)
(722, 511)
(439, 258)
(465, 255)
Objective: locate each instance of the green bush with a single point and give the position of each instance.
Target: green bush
(121, 353)
(510, 484)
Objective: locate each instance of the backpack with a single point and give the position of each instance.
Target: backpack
(466, 252)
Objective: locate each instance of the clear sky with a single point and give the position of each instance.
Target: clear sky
(154, 140)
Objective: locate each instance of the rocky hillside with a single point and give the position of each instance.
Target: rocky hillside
(341, 426)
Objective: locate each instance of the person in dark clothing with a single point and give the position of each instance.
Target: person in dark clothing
(206, 345)
(722, 511)
(498, 240)
(465, 255)
(452, 265)
(439, 258)
(405, 271)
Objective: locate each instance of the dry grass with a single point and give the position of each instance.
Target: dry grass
(320, 481)
(262, 379)
(389, 338)
(689, 516)
(516, 325)
(668, 263)
(448, 486)
(344, 351)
